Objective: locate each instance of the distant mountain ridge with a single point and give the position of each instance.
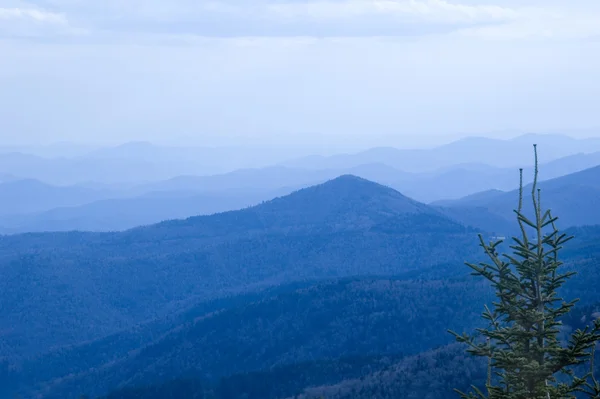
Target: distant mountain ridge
(123, 213)
(22, 196)
(139, 162)
(27, 207)
(468, 150)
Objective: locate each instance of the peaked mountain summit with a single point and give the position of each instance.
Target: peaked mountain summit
(110, 281)
(344, 203)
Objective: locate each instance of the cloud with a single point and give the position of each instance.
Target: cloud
(152, 68)
(25, 21)
(487, 19)
(438, 11)
(227, 18)
(543, 23)
(32, 14)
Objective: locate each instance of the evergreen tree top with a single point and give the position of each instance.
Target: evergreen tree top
(526, 358)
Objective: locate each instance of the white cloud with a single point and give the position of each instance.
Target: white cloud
(32, 14)
(31, 22)
(423, 10)
(544, 23)
(226, 18)
(490, 19)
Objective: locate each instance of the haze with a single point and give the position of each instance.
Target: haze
(350, 74)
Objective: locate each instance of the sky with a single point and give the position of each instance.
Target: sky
(337, 72)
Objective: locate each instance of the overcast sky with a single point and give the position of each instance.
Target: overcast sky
(176, 70)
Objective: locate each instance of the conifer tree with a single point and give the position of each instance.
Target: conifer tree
(527, 357)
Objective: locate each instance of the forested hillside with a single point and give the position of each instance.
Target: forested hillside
(64, 288)
(348, 286)
(324, 321)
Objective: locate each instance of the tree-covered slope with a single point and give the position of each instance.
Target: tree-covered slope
(573, 197)
(432, 374)
(64, 288)
(324, 321)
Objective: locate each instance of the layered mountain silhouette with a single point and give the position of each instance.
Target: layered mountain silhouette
(471, 150)
(125, 212)
(28, 196)
(30, 205)
(445, 172)
(574, 198)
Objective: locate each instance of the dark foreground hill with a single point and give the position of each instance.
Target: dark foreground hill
(349, 318)
(326, 321)
(310, 333)
(64, 288)
(432, 374)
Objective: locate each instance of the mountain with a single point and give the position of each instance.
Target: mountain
(70, 171)
(472, 199)
(469, 150)
(132, 162)
(185, 196)
(209, 159)
(269, 178)
(432, 375)
(389, 334)
(452, 182)
(574, 198)
(347, 318)
(446, 172)
(346, 331)
(125, 213)
(4, 178)
(28, 195)
(55, 150)
(109, 207)
(480, 218)
(64, 288)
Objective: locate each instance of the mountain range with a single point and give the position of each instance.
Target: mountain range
(471, 150)
(31, 205)
(337, 287)
(138, 162)
(348, 269)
